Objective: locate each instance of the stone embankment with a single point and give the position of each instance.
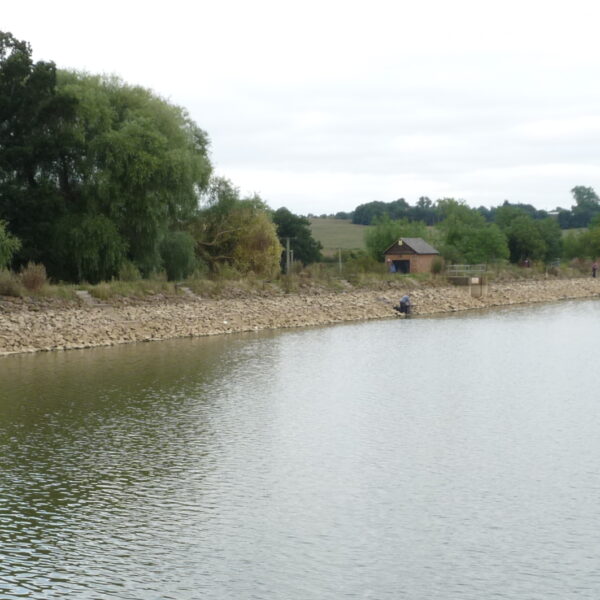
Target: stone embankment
(28, 326)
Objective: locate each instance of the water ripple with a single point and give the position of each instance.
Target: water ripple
(452, 458)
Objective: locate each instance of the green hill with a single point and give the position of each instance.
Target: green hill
(338, 233)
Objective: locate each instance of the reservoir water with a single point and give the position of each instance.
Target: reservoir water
(454, 458)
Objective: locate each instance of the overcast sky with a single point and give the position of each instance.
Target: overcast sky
(324, 105)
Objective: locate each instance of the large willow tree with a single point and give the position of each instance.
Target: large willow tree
(79, 150)
(138, 160)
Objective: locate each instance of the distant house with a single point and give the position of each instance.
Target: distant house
(410, 255)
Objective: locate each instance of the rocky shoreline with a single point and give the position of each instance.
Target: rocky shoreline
(29, 327)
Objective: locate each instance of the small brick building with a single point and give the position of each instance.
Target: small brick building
(410, 255)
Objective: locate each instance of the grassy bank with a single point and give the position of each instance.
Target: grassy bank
(314, 279)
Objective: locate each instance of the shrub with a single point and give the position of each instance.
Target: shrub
(34, 277)
(102, 291)
(129, 272)
(158, 277)
(10, 284)
(437, 265)
(202, 287)
(224, 271)
(360, 262)
(312, 271)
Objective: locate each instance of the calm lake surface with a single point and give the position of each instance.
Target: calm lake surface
(453, 458)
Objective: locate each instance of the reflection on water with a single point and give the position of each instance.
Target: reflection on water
(450, 458)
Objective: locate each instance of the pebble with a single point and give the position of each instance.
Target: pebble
(55, 328)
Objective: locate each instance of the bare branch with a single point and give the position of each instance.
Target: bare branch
(219, 234)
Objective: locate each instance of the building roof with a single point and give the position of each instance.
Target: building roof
(417, 245)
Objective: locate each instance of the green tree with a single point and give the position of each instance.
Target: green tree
(234, 231)
(476, 245)
(504, 215)
(385, 231)
(144, 161)
(585, 196)
(549, 229)
(454, 211)
(587, 205)
(576, 244)
(564, 218)
(467, 237)
(258, 249)
(9, 244)
(90, 146)
(424, 210)
(306, 249)
(86, 247)
(593, 243)
(343, 215)
(525, 240)
(365, 214)
(35, 121)
(532, 237)
(178, 255)
(582, 244)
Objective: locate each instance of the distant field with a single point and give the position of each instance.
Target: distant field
(338, 233)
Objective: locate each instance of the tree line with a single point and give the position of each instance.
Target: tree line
(581, 213)
(463, 235)
(98, 176)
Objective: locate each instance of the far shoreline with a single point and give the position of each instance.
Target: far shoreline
(27, 326)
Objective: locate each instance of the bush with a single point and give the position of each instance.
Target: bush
(129, 272)
(10, 284)
(361, 262)
(102, 291)
(437, 266)
(312, 271)
(224, 271)
(34, 277)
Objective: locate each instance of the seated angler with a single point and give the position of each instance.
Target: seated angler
(404, 306)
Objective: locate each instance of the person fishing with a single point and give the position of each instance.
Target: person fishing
(404, 306)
